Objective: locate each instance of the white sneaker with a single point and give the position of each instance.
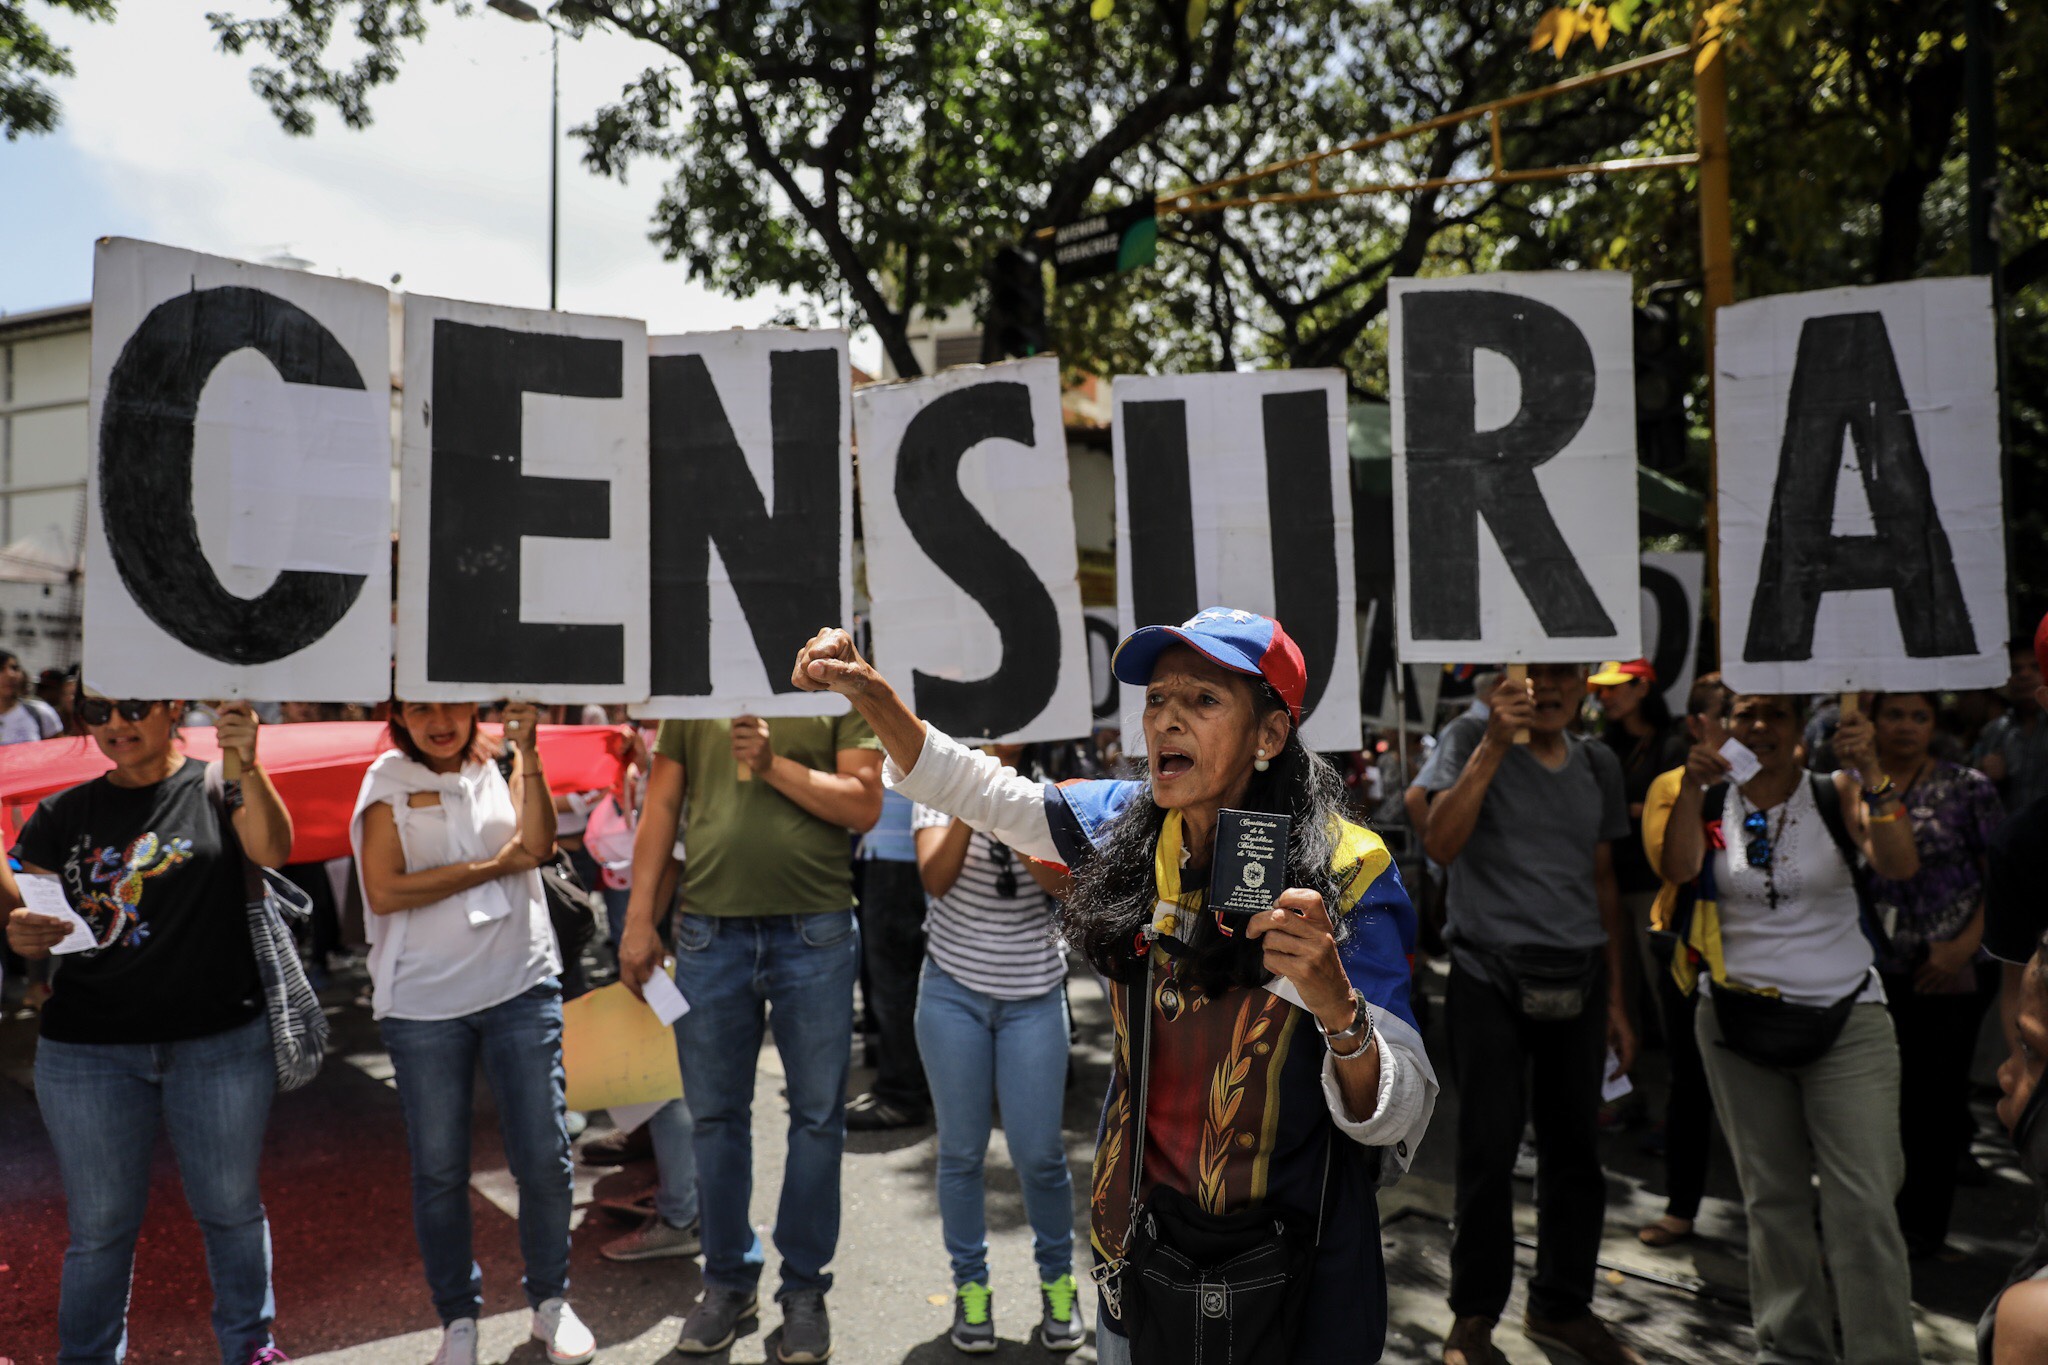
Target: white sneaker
(569, 1342)
(458, 1343)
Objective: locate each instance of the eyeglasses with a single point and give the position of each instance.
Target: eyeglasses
(1006, 869)
(100, 710)
(1756, 826)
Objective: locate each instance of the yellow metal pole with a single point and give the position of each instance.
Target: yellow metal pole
(1717, 267)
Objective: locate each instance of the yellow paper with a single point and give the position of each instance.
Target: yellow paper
(616, 1052)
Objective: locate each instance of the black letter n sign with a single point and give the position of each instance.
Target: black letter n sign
(1861, 527)
(1514, 467)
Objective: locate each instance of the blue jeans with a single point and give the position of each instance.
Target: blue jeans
(673, 1131)
(979, 1050)
(798, 971)
(102, 1103)
(520, 1044)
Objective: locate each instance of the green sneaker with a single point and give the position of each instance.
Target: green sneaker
(974, 1325)
(1060, 1328)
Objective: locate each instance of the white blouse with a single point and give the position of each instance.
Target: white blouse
(461, 955)
(1794, 924)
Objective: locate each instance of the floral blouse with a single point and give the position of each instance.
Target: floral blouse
(1955, 811)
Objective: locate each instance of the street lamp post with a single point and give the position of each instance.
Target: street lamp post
(527, 14)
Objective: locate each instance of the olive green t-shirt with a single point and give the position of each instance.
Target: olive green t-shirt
(748, 849)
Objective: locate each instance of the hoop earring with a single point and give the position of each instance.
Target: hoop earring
(1260, 762)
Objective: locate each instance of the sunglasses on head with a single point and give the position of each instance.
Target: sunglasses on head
(100, 710)
(1756, 827)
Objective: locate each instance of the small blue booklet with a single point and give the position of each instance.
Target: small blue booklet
(1249, 868)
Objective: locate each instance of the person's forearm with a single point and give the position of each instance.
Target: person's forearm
(1617, 928)
(901, 732)
(1454, 814)
(1892, 853)
(1685, 841)
(536, 806)
(654, 845)
(264, 826)
(836, 798)
(411, 890)
(939, 860)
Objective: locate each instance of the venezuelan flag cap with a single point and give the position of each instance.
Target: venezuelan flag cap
(1242, 641)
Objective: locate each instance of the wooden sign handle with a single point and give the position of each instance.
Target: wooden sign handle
(1852, 702)
(1519, 675)
(231, 765)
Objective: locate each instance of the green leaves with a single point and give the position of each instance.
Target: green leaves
(26, 52)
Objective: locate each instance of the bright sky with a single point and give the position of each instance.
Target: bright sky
(162, 139)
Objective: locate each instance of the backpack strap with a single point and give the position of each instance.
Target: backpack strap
(1827, 798)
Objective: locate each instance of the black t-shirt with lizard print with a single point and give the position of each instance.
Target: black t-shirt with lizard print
(158, 874)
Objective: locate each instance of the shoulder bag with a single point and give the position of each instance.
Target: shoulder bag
(298, 1024)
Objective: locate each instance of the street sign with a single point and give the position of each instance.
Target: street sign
(1111, 243)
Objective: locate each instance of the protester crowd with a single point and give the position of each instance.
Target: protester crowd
(1809, 907)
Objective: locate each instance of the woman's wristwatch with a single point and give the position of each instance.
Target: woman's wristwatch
(1361, 1028)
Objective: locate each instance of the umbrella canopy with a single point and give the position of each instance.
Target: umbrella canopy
(317, 768)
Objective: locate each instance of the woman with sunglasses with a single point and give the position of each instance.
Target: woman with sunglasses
(1799, 1051)
(159, 1023)
(1268, 1076)
(992, 1027)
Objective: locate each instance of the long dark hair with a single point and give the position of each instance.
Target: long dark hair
(1115, 890)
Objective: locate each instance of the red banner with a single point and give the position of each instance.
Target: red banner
(317, 768)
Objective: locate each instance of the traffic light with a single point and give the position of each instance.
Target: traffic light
(1661, 381)
(1015, 323)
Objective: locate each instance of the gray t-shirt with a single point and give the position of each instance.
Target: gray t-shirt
(1525, 877)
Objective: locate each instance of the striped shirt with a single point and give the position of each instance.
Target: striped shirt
(1002, 946)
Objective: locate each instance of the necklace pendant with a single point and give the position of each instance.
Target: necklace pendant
(1169, 1002)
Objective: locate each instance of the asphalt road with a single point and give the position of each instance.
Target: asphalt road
(349, 1288)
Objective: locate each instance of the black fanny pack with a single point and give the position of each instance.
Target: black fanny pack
(1191, 1285)
(1773, 1032)
(1545, 985)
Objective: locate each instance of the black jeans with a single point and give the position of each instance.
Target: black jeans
(1507, 1066)
(1937, 1038)
(1689, 1108)
(892, 949)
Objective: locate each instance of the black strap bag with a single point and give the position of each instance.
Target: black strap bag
(1221, 1289)
(1544, 984)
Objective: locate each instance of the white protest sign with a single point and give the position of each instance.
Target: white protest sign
(969, 524)
(1514, 467)
(1100, 623)
(751, 451)
(1862, 518)
(1419, 687)
(523, 506)
(239, 543)
(1671, 620)
(1234, 490)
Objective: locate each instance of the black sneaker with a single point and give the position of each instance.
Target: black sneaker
(974, 1322)
(806, 1334)
(870, 1114)
(1059, 1324)
(720, 1319)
